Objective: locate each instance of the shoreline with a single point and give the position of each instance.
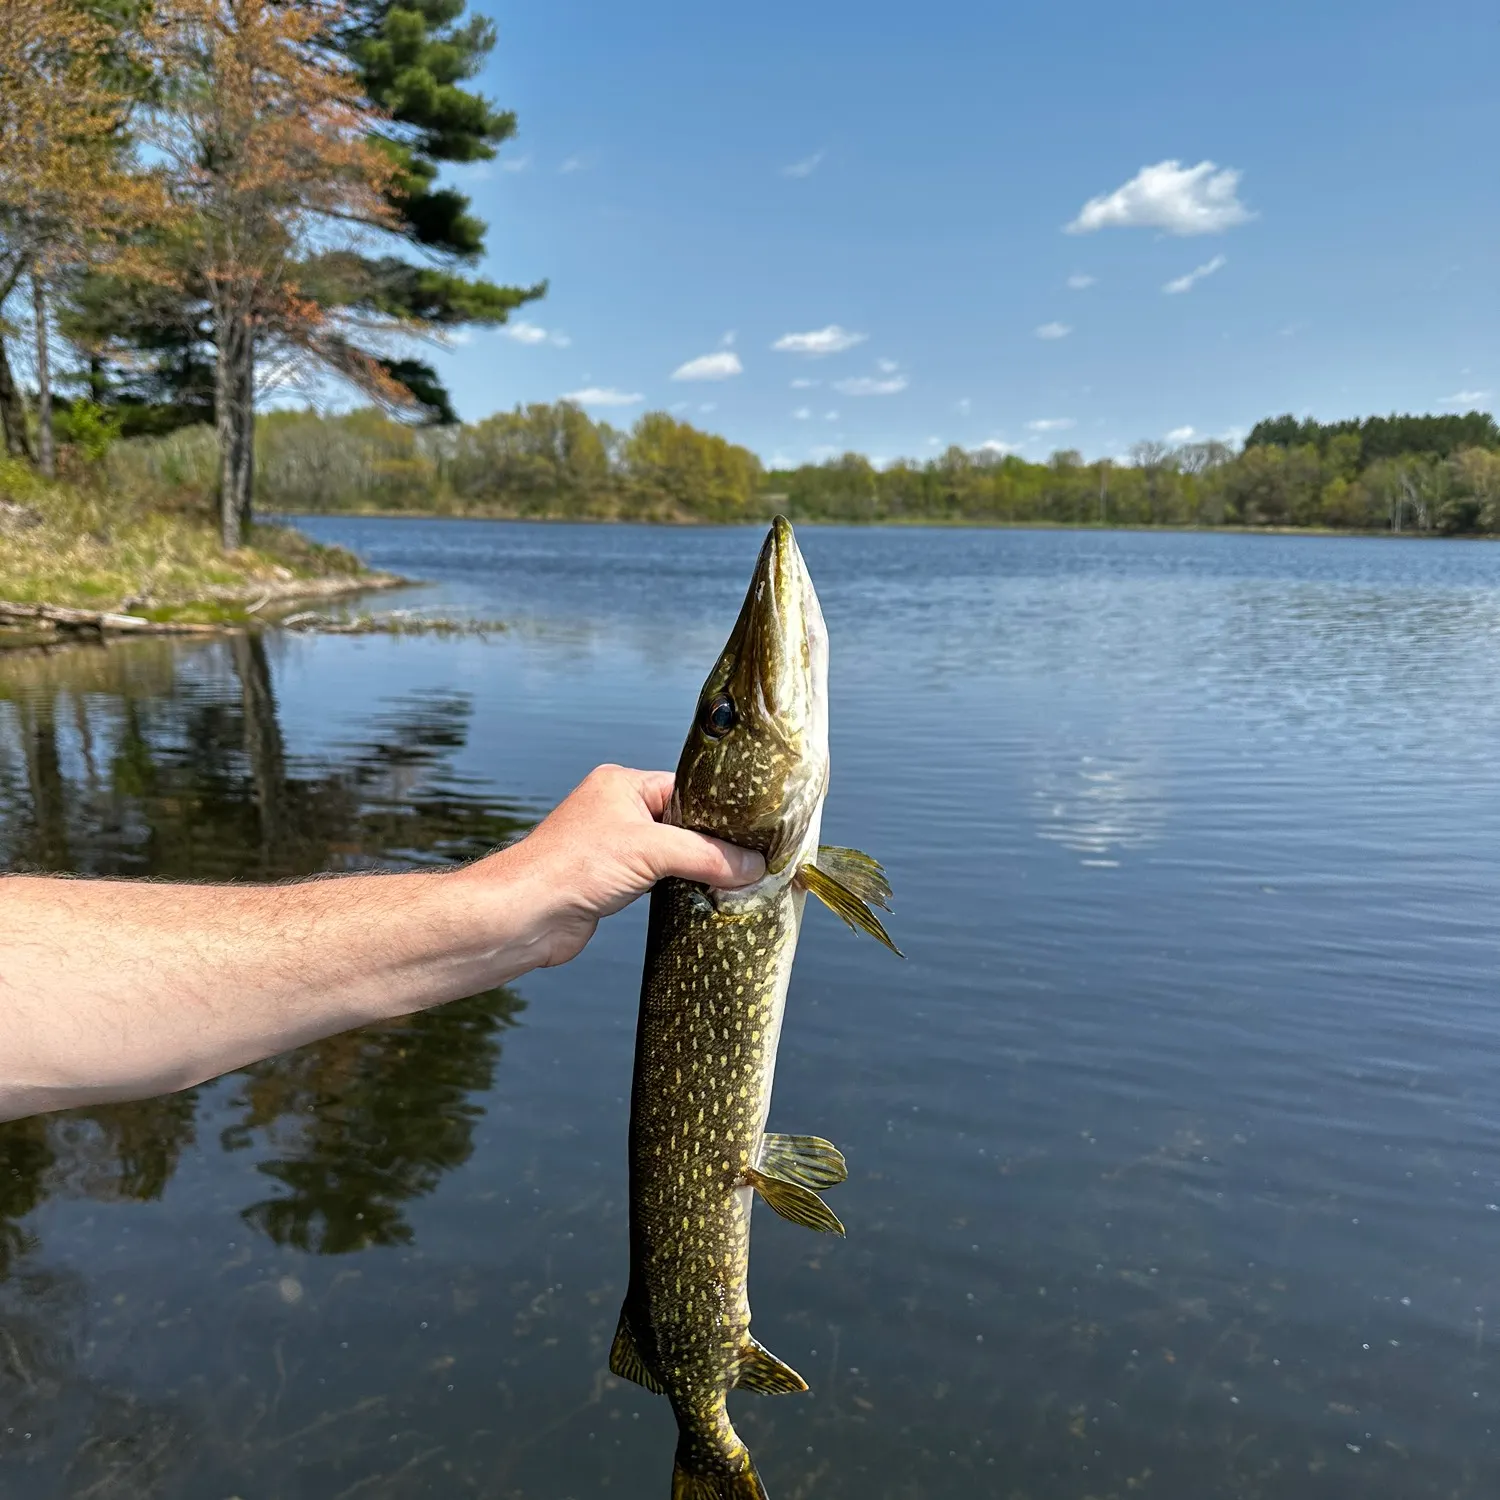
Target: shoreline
(896, 523)
(31, 624)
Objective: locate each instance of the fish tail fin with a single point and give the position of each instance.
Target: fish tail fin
(693, 1484)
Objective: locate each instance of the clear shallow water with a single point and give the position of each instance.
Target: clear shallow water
(1173, 1144)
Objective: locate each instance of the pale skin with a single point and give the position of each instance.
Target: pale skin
(115, 990)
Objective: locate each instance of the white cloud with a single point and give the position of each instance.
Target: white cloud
(802, 414)
(994, 445)
(708, 406)
(572, 164)
(868, 385)
(1181, 435)
(516, 163)
(803, 384)
(964, 405)
(806, 167)
(728, 340)
(678, 406)
(934, 442)
(1466, 398)
(718, 366)
(1169, 196)
(1051, 424)
(532, 333)
(1186, 283)
(830, 340)
(887, 366)
(1053, 331)
(830, 416)
(596, 395)
(1080, 281)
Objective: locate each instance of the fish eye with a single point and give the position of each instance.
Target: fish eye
(719, 717)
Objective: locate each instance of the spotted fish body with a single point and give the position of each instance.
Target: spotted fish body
(754, 771)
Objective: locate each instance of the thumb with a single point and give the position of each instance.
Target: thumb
(696, 856)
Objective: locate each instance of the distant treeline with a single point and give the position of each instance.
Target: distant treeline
(1380, 437)
(1399, 473)
(541, 461)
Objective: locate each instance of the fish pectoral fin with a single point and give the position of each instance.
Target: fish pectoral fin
(760, 1370)
(807, 1160)
(799, 1204)
(856, 872)
(838, 898)
(625, 1360)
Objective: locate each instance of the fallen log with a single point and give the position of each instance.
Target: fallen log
(94, 621)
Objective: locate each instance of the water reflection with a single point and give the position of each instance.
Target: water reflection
(77, 1435)
(148, 759)
(1098, 806)
(356, 1126)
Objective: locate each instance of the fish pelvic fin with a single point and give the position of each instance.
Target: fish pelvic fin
(856, 872)
(626, 1361)
(744, 1484)
(760, 1370)
(807, 1160)
(792, 1201)
(845, 900)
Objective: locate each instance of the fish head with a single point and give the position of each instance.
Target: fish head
(754, 770)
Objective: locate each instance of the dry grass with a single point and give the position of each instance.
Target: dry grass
(92, 542)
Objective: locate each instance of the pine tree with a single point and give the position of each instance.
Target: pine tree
(414, 58)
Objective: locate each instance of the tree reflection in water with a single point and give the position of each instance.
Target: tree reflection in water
(150, 759)
(79, 1435)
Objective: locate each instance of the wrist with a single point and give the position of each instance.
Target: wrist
(503, 912)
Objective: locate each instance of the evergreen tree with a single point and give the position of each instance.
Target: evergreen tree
(414, 59)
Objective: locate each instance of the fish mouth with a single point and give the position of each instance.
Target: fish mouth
(786, 642)
(785, 654)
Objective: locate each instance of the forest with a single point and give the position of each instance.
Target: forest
(1424, 474)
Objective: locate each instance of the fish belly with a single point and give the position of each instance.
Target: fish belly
(712, 999)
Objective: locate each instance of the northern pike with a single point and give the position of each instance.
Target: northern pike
(754, 771)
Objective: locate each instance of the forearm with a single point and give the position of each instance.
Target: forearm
(115, 989)
(121, 989)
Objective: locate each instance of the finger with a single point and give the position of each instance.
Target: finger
(655, 788)
(695, 856)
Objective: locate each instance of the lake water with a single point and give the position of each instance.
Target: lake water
(1173, 1143)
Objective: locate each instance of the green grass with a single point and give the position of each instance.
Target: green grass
(96, 545)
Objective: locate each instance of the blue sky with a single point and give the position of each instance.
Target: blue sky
(701, 183)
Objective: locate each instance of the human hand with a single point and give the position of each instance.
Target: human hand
(599, 849)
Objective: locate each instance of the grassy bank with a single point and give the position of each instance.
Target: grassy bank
(91, 541)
